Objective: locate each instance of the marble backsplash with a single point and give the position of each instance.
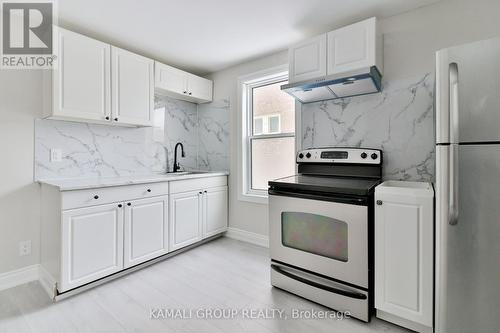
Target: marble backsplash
(90, 150)
(95, 150)
(213, 147)
(180, 125)
(400, 121)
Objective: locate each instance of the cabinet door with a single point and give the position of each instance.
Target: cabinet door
(133, 88)
(81, 83)
(146, 230)
(199, 88)
(92, 244)
(185, 219)
(170, 79)
(352, 47)
(307, 59)
(404, 257)
(215, 211)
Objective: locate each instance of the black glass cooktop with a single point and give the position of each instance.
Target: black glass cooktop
(329, 184)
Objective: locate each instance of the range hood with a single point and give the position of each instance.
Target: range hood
(360, 82)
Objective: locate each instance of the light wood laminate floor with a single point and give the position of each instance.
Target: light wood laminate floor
(222, 274)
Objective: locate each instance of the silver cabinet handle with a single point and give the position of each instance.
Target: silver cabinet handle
(453, 161)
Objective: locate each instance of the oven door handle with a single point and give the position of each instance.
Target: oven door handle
(351, 294)
(315, 196)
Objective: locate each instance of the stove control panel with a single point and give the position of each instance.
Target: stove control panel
(340, 155)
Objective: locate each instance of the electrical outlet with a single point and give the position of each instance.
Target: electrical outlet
(25, 248)
(55, 155)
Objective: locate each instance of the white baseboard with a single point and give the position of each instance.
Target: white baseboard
(247, 236)
(47, 281)
(19, 276)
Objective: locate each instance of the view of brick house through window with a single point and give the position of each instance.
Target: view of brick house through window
(273, 135)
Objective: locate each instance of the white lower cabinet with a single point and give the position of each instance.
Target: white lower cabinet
(185, 219)
(404, 254)
(89, 234)
(215, 211)
(92, 244)
(198, 210)
(146, 230)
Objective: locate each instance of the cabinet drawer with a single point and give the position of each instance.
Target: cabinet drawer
(197, 184)
(98, 196)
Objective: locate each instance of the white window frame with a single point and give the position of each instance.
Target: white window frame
(245, 124)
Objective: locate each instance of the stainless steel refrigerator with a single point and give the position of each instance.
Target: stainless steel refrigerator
(467, 290)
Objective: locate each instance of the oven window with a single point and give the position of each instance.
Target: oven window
(315, 234)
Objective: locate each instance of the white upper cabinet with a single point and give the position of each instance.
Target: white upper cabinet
(353, 47)
(99, 83)
(182, 85)
(95, 82)
(307, 59)
(132, 88)
(170, 79)
(199, 88)
(81, 82)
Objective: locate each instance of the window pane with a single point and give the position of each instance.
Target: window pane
(258, 125)
(271, 159)
(315, 234)
(274, 124)
(270, 100)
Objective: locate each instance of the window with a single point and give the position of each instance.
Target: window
(268, 124)
(268, 132)
(258, 125)
(274, 124)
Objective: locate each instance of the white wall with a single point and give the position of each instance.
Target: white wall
(410, 40)
(20, 103)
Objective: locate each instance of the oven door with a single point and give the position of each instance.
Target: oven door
(324, 237)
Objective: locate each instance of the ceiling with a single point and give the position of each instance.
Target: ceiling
(205, 36)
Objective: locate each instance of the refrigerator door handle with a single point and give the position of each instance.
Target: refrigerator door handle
(453, 102)
(453, 164)
(453, 183)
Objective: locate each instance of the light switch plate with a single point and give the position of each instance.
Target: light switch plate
(55, 155)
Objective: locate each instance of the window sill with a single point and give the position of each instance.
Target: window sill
(254, 198)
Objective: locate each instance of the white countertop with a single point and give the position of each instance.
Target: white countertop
(86, 183)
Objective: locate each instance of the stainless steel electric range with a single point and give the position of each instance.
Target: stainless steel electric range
(321, 228)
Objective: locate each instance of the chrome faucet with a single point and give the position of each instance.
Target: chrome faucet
(176, 164)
